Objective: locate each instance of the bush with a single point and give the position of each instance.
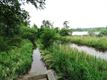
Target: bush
(30, 34)
(8, 43)
(3, 44)
(73, 65)
(64, 32)
(103, 33)
(16, 62)
(47, 37)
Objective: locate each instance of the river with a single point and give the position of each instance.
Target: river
(91, 51)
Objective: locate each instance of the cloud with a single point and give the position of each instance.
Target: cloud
(80, 13)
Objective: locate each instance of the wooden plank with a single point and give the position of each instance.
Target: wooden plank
(43, 79)
(37, 77)
(34, 77)
(51, 75)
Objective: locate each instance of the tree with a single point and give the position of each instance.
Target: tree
(46, 23)
(66, 24)
(65, 30)
(29, 33)
(11, 18)
(37, 3)
(11, 15)
(35, 26)
(47, 37)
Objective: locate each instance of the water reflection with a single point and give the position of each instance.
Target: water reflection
(91, 51)
(38, 67)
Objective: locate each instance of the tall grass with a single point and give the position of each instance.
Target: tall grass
(71, 64)
(16, 62)
(99, 43)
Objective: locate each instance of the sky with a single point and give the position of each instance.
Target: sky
(79, 13)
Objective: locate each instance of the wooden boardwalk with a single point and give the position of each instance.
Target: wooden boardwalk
(38, 69)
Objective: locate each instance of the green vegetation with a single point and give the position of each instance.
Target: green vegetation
(29, 34)
(99, 43)
(16, 53)
(16, 62)
(47, 37)
(103, 32)
(15, 49)
(70, 64)
(12, 16)
(17, 39)
(64, 32)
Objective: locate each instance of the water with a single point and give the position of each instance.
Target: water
(83, 33)
(80, 33)
(91, 51)
(38, 67)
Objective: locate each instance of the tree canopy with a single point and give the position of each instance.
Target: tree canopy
(12, 16)
(36, 3)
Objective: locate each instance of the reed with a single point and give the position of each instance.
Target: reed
(70, 64)
(99, 43)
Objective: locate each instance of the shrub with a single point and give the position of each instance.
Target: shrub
(48, 36)
(64, 32)
(16, 62)
(70, 64)
(3, 44)
(96, 42)
(103, 33)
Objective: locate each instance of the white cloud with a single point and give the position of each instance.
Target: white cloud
(80, 13)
